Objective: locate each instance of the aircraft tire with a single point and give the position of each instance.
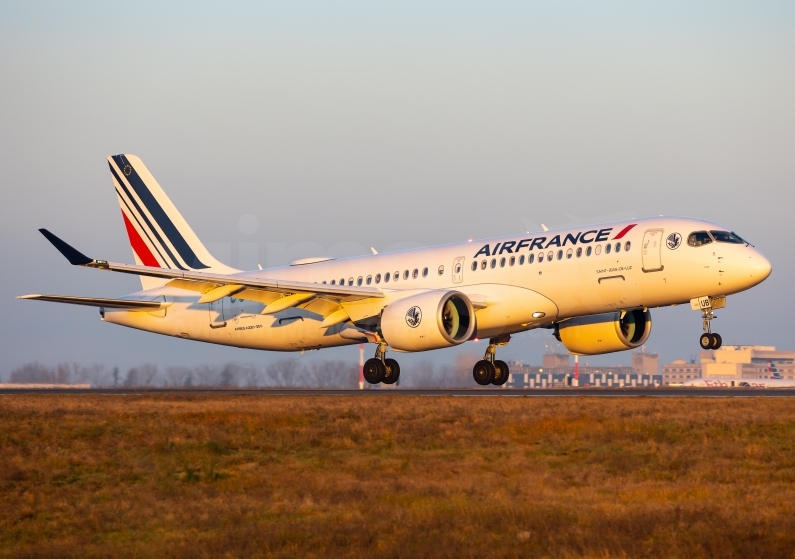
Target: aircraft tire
(717, 341)
(501, 373)
(705, 341)
(392, 372)
(373, 371)
(483, 372)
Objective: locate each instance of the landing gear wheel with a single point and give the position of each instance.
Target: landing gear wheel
(717, 341)
(501, 373)
(392, 373)
(483, 372)
(373, 371)
(705, 341)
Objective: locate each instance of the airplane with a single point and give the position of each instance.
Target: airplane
(592, 287)
(741, 383)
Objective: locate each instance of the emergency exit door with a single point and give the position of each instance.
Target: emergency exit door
(652, 248)
(458, 270)
(217, 314)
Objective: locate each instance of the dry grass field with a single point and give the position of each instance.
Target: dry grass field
(386, 476)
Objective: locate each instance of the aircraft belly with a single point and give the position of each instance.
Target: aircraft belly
(292, 330)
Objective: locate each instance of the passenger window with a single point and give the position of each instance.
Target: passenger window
(588, 251)
(359, 281)
(531, 258)
(549, 256)
(405, 274)
(333, 282)
(458, 269)
(474, 265)
(502, 262)
(511, 261)
(378, 278)
(396, 276)
(540, 256)
(579, 252)
(699, 238)
(493, 262)
(626, 246)
(415, 274)
(608, 248)
(598, 250)
(324, 282)
(425, 272)
(483, 265)
(369, 280)
(387, 276)
(350, 281)
(342, 281)
(569, 253)
(618, 247)
(726, 237)
(521, 260)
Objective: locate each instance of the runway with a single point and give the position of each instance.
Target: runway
(666, 392)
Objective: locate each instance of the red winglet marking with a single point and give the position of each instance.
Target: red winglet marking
(624, 231)
(139, 246)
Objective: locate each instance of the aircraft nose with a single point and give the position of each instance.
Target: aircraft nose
(758, 267)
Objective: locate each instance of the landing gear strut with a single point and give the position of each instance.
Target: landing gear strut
(490, 370)
(708, 340)
(380, 369)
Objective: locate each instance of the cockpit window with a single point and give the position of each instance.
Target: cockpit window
(726, 237)
(699, 238)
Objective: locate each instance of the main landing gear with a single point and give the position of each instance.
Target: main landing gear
(380, 369)
(708, 340)
(490, 370)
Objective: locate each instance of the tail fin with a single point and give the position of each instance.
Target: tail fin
(159, 235)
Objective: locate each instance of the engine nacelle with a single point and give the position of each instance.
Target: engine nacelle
(429, 320)
(605, 333)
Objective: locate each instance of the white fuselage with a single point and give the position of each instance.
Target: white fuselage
(654, 267)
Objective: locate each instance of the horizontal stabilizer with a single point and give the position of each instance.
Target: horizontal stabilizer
(128, 304)
(73, 255)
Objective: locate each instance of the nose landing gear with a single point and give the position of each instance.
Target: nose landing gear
(708, 340)
(379, 369)
(490, 370)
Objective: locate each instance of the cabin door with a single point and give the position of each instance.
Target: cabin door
(652, 248)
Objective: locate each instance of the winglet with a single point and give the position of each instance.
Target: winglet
(74, 256)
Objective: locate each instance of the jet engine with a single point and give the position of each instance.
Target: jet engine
(430, 320)
(605, 333)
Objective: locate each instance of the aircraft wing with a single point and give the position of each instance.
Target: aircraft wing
(128, 304)
(216, 286)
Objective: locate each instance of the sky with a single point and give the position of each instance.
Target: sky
(284, 130)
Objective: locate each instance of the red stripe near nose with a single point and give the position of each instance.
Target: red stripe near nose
(624, 231)
(139, 246)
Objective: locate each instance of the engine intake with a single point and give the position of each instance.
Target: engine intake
(430, 320)
(605, 333)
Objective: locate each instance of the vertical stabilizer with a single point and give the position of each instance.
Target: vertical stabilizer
(159, 235)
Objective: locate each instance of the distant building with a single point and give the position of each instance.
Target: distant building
(552, 361)
(557, 370)
(679, 371)
(733, 361)
(646, 363)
